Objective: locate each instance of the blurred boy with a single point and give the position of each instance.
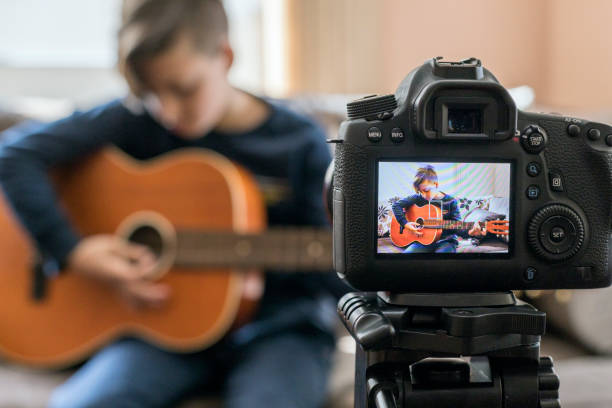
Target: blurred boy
(175, 57)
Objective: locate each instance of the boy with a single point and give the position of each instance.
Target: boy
(175, 57)
(425, 185)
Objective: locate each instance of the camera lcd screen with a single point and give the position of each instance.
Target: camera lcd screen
(464, 121)
(443, 208)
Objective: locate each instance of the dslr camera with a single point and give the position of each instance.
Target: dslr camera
(447, 187)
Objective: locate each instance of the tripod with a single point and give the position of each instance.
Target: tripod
(477, 350)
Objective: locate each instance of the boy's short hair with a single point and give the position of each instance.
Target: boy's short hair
(150, 27)
(426, 173)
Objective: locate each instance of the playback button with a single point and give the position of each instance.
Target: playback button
(533, 192)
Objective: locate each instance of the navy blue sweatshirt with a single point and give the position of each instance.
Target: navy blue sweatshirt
(287, 155)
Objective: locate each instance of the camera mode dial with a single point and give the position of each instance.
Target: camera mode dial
(556, 232)
(372, 107)
(533, 139)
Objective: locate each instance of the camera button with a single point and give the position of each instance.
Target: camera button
(557, 234)
(374, 134)
(594, 134)
(533, 169)
(533, 139)
(533, 192)
(609, 140)
(573, 130)
(397, 135)
(530, 273)
(556, 181)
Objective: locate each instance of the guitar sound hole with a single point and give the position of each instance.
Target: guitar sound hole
(149, 237)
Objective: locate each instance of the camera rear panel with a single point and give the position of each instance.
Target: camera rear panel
(559, 204)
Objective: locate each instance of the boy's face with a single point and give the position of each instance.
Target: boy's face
(428, 189)
(187, 89)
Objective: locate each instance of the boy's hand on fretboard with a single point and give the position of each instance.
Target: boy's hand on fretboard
(476, 231)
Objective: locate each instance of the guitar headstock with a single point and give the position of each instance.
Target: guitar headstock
(499, 227)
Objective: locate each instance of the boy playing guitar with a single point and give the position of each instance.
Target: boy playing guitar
(175, 56)
(426, 187)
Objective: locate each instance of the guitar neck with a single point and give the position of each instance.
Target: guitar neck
(282, 249)
(449, 224)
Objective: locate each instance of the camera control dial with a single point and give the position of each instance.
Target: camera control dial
(556, 232)
(372, 107)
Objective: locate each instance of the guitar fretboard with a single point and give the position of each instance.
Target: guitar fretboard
(282, 249)
(448, 224)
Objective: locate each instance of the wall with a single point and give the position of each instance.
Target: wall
(561, 48)
(497, 32)
(333, 46)
(579, 73)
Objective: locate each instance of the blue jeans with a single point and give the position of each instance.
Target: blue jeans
(442, 246)
(286, 369)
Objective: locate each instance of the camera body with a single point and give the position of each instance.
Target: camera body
(447, 187)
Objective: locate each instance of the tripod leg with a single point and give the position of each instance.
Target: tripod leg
(370, 388)
(382, 392)
(361, 395)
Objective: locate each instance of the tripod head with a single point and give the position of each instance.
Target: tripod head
(448, 350)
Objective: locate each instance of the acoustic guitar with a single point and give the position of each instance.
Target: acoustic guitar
(203, 217)
(431, 225)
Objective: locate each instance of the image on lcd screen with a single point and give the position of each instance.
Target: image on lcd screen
(436, 207)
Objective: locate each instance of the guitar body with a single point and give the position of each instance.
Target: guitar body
(416, 214)
(186, 189)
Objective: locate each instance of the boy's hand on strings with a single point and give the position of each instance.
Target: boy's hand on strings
(415, 228)
(124, 264)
